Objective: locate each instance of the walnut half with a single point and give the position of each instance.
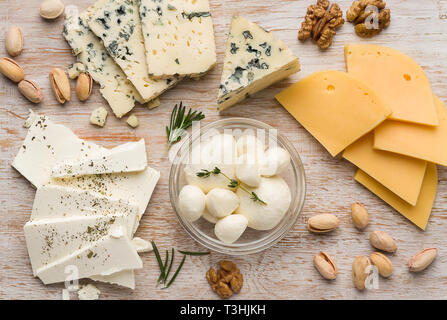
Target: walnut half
(370, 17)
(226, 280)
(321, 22)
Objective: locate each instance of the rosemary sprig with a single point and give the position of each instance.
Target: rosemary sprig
(190, 253)
(180, 121)
(170, 265)
(176, 272)
(160, 264)
(233, 183)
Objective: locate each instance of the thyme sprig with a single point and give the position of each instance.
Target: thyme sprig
(234, 183)
(180, 121)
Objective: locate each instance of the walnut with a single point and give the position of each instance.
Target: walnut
(321, 22)
(226, 280)
(359, 13)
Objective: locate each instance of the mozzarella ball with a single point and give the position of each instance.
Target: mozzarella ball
(191, 202)
(248, 172)
(251, 145)
(230, 228)
(275, 161)
(276, 193)
(217, 151)
(209, 217)
(221, 202)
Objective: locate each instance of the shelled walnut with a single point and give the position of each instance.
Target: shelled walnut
(321, 22)
(370, 17)
(226, 280)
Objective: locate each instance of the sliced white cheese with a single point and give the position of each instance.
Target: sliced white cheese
(254, 59)
(118, 25)
(61, 202)
(46, 144)
(128, 157)
(125, 278)
(178, 36)
(115, 87)
(105, 256)
(89, 292)
(142, 245)
(49, 240)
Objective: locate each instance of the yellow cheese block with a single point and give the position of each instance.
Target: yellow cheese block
(418, 141)
(396, 78)
(400, 174)
(334, 107)
(417, 214)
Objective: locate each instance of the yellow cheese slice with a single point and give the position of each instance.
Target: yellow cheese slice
(418, 141)
(400, 174)
(396, 78)
(417, 214)
(334, 107)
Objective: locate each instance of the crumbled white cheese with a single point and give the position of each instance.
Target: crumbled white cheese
(65, 294)
(141, 245)
(75, 69)
(133, 121)
(30, 120)
(153, 103)
(89, 292)
(99, 116)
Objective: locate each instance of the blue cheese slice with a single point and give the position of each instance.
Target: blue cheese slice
(118, 25)
(178, 36)
(254, 60)
(128, 157)
(116, 89)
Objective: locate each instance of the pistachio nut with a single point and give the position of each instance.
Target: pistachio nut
(359, 271)
(322, 223)
(325, 266)
(11, 69)
(382, 241)
(51, 9)
(359, 216)
(383, 264)
(84, 86)
(14, 41)
(30, 90)
(60, 84)
(422, 260)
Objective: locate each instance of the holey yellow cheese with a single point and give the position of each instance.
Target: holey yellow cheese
(334, 107)
(423, 142)
(417, 214)
(396, 78)
(400, 174)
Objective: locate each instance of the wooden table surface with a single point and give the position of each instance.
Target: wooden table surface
(285, 271)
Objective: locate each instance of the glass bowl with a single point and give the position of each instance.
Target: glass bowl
(251, 241)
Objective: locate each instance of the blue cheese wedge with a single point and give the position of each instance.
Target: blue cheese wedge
(178, 36)
(118, 25)
(128, 157)
(116, 89)
(109, 255)
(254, 60)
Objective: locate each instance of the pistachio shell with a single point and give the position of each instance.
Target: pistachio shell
(11, 69)
(30, 90)
(14, 41)
(359, 216)
(382, 241)
(422, 259)
(51, 9)
(322, 223)
(383, 264)
(84, 86)
(60, 84)
(359, 273)
(326, 266)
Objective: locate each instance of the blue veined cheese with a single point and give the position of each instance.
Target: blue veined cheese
(178, 36)
(254, 60)
(118, 91)
(118, 25)
(128, 157)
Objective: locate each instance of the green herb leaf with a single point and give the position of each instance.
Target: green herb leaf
(165, 264)
(180, 122)
(160, 264)
(176, 272)
(170, 266)
(191, 253)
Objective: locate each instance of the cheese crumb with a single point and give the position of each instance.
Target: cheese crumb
(154, 103)
(99, 116)
(89, 292)
(30, 120)
(75, 69)
(65, 294)
(141, 245)
(133, 121)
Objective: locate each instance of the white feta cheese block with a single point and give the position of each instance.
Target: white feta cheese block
(178, 36)
(61, 202)
(142, 245)
(118, 25)
(49, 240)
(128, 157)
(89, 292)
(46, 144)
(116, 89)
(254, 59)
(106, 256)
(125, 278)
